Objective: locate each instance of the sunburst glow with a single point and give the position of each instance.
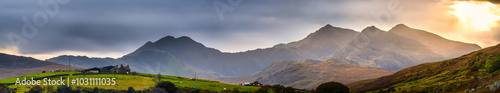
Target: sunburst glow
(480, 15)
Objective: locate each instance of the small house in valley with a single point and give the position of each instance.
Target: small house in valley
(110, 70)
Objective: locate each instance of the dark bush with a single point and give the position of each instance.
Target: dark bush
(194, 91)
(235, 90)
(96, 90)
(3, 89)
(36, 89)
(157, 90)
(332, 87)
(275, 89)
(167, 86)
(64, 89)
(131, 90)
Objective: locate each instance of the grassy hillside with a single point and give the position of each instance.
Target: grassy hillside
(309, 74)
(12, 65)
(138, 82)
(183, 82)
(477, 70)
(37, 75)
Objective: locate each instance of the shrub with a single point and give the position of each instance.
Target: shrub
(194, 91)
(36, 89)
(96, 90)
(131, 90)
(157, 90)
(263, 89)
(50, 89)
(275, 89)
(235, 90)
(492, 66)
(474, 68)
(332, 87)
(3, 89)
(167, 86)
(64, 89)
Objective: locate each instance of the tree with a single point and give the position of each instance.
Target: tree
(332, 87)
(4, 89)
(263, 89)
(235, 90)
(194, 91)
(49, 89)
(64, 89)
(158, 76)
(96, 90)
(167, 86)
(36, 89)
(275, 89)
(489, 66)
(131, 90)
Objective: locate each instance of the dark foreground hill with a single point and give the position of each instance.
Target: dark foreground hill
(11, 66)
(476, 71)
(309, 74)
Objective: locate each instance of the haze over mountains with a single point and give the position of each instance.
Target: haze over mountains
(182, 56)
(377, 48)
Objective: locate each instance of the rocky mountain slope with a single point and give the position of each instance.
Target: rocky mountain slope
(377, 48)
(438, 44)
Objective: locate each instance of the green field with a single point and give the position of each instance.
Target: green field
(202, 84)
(138, 82)
(37, 75)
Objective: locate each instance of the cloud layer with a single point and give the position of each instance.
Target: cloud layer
(117, 27)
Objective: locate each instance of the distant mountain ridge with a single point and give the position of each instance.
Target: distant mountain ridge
(186, 52)
(377, 48)
(183, 56)
(12, 66)
(438, 44)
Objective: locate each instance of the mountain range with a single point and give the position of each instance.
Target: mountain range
(11, 66)
(390, 50)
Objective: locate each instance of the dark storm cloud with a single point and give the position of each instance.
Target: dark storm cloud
(121, 25)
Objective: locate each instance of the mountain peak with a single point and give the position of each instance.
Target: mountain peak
(166, 39)
(171, 39)
(185, 38)
(325, 28)
(371, 29)
(328, 25)
(329, 30)
(399, 27)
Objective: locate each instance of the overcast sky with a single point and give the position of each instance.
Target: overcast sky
(112, 28)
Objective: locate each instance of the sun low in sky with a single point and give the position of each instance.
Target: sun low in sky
(480, 15)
